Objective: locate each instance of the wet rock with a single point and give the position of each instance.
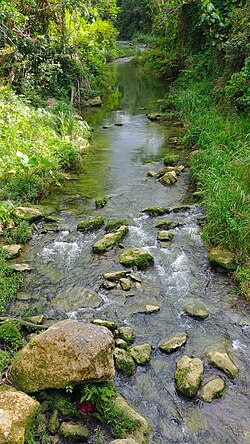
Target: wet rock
(109, 285)
(90, 224)
(164, 235)
(165, 224)
(188, 376)
(219, 358)
(155, 116)
(68, 353)
(172, 344)
(35, 319)
(171, 159)
(50, 227)
(142, 429)
(136, 257)
(196, 309)
(135, 277)
(124, 362)
(223, 258)
(213, 388)
(75, 298)
(116, 275)
(151, 173)
(21, 267)
(96, 101)
(155, 211)
(168, 178)
(125, 333)
(53, 424)
(112, 326)
(181, 208)
(113, 225)
(29, 214)
(124, 441)
(150, 309)
(167, 169)
(125, 284)
(17, 412)
(141, 353)
(120, 343)
(73, 432)
(12, 250)
(110, 239)
(101, 201)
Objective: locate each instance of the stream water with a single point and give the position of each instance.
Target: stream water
(63, 264)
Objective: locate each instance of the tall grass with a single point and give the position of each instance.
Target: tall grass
(221, 169)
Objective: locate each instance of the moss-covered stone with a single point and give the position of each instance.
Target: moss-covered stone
(168, 178)
(171, 344)
(12, 250)
(136, 257)
(120, 343)
(141, 353)
(196, 309)
(17, 414)
(125, 284)
(112, 326)
(188, 376)
(165, 236)
(113, 225)
(73, 432)
(155, 211)
(213, 388)
(155, 116)
(171, 159)
(124, 362)
(222, 258)
(30, 214)
(110, 239)
(90, 224)
(219, 358)
(125, 333)
(164, 224)
(101, 201)
(116, 275)
(53, 424)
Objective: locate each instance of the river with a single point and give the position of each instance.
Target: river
(63, 263)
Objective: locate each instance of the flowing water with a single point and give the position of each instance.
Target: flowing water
(63, 264)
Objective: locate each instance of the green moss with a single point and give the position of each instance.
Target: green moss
(171, 159)
(10, 335)
(10, 282)
(90, 224)
(113, 225)
(155, 211)
(4, 360)
(101, 201)
(109, 240)
(136, 257)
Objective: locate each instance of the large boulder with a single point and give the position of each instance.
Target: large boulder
(136, 257)
(222, 258)
(17, 411)
(188, 376)
(68, 353)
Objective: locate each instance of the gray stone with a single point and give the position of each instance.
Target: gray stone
(141, 353)
(150, 309)
(219, 358)
(68, 353)
(171, 344)
(196, 309)
(188, 376)
(211, 389)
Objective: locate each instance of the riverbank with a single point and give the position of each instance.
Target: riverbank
(219, 167)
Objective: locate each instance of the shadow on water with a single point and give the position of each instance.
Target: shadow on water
(64, 264)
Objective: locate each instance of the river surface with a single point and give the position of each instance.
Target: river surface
(63, 264)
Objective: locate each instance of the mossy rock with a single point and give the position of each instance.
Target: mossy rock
(141, 353)
(30, 214)
(110, 240)
(223, 258)
(113, 225)
(165, 236)
(196, 309)
(155, 211)
(168, 178)
(165, 224)
(219, 358)
(112, 326)
(124, 362)
(125, 333)
(171, 159)
(211, 389)
(4, 360)
(53, 424)
(173, 343)
(188, 376)
(90, 224)
(125, 284)
(73, 432)
(136, 257)
(101, 201)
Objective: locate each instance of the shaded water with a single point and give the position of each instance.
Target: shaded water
(64, 264)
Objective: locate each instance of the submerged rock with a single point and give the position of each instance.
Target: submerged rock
(124, 362)
(142, 429)
(125, 284)
(188, 376)
(17, 412)
(150, 309)
(219, 358)
(164, 224)
(155, 211)
(110, 239)
(101, 201)
(116, 275)
(223, 258)
(171, 159)
(141, 353)
(113, 225)
(171, 344)
(165, 235)
(29, 214)
(75, 298)
(213, 388)
(196, 309)
(108, 285)
(68, 353)
(90, 224)
(168, 178)
(73, 432)
(136, 257)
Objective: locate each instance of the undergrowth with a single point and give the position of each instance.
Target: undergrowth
(10, 281)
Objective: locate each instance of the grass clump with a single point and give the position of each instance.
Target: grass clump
(18, 235)
(10, 335)
(4, 360)
(10, 282)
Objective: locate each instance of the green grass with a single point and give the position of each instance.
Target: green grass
(220, 167)
(10, 281)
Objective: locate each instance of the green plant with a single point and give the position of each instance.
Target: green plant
(10, 335)
(38, 432)
(4, 360)
(20, 234)
(98, 437)
(10, 281)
